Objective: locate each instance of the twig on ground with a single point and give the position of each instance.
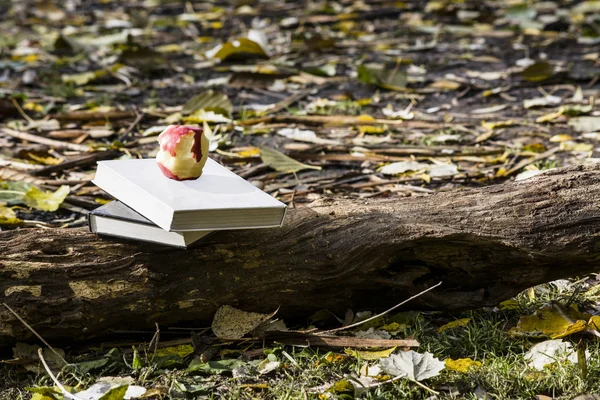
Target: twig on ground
(35, 333)
(381, 314)
(127, 131)
(56, 382)
(57, 144)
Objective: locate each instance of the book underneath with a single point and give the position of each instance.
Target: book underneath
(217, 200)
(116, 219)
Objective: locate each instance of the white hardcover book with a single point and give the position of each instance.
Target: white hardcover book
(217, 200)
(116, 219)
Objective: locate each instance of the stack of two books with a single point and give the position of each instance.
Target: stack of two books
(151, 207)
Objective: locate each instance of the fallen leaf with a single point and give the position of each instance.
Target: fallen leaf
(388, 79)
(498, 124)
(562, 137)
(542, 101)
(280, 162)
(27, 356)
(143, 58)
(552, 321)
(267, 366)
(443, 170)
(209, 100)
(46, 201)
(108, 391)
(237, 49)
(402, 167)
(405, 114)
(454, 324)
(214, 367)
(445, 84)
(231, 323)
(538, 72)
(526, 175)
(412, 365)
(549, 352)
(488, 110)
(201, 115)
(370, 354)
(183, 350)
(461, 364)
(585, 124)
(8, 216)
(304, 136)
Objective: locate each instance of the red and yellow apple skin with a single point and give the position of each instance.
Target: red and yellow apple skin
(183, 152)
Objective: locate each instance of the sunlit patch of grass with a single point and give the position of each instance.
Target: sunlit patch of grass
(306, 373)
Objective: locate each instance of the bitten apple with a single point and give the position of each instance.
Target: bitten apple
(183, 152)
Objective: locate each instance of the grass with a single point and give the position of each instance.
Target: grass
(307, 373)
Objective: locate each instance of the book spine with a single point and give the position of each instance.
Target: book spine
(91, 225)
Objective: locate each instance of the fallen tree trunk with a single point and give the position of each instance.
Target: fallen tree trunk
(485, 244)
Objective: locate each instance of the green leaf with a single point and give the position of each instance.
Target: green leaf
(280, 162)
(143, 58)
(214, 367)
(87, 366)
(39, 396)
(45, 393)
(13, 192)
(117, 393)
(210, 100)
(540, 71)
(45, 201)
(137, 361)
(388, 79)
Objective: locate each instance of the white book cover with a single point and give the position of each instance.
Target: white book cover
(118, 220)
(219, 199)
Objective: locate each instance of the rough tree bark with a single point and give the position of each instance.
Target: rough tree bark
(485, 244)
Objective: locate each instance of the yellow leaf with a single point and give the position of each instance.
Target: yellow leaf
(45, 201)
(498, 124)
(549, 117)
(594, 323)
(33, 107)
(169, 48)
(576, 147)
(29, 58)
(554, 322)
(249, 152)
(45, 160)
(216, 25)
(343, 386)
(363, 102)
(394, 327)
(370, 354)
(365, 118)
(563, 137)
(8, 216)
(372, 129)
(454, 324)
(182, 350)
(461, 364)
(241, 48)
